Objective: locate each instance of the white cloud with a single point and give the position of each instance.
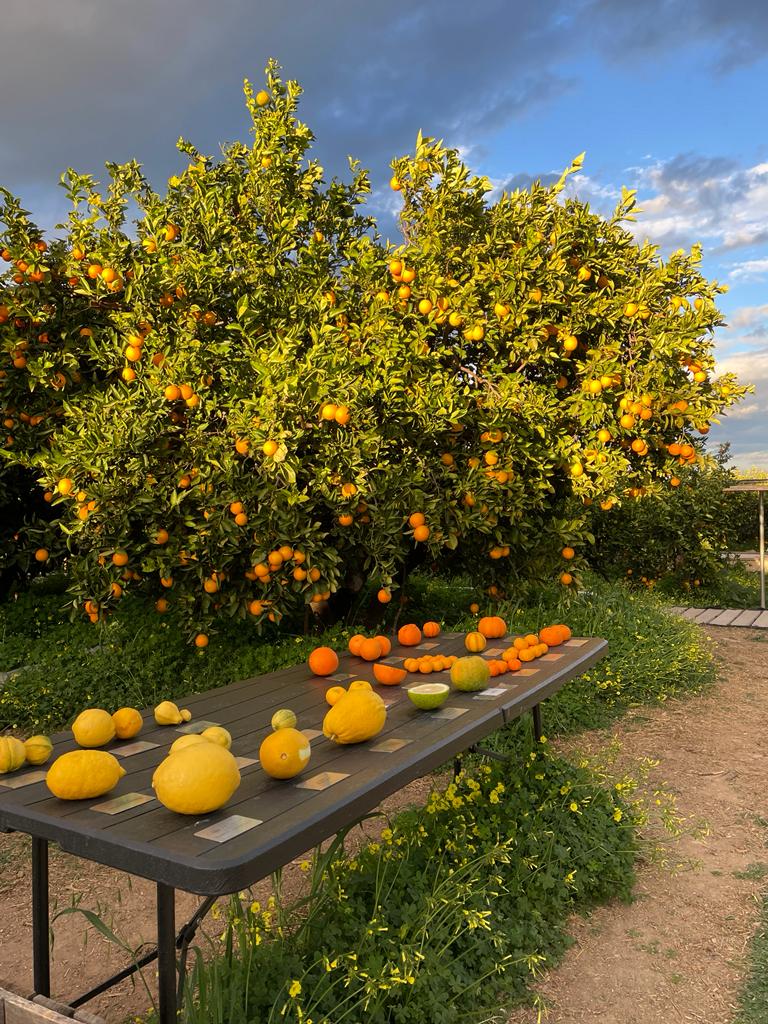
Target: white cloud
(748, 316)
(692, 198)
(749, 269)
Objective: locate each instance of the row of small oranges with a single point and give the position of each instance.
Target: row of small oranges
(429, 663)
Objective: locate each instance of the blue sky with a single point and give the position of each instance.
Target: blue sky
(667, 96)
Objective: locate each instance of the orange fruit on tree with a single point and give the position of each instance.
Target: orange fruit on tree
(41, 555)
(383, 596)
(409, 635)
(161, 605)
(566, 579)
(201, 640)
(568, 553)
(120, 558)
(323, 661)
(431, 628)
(421, 533)
(389, 675)
(370, 649)
(416, 519)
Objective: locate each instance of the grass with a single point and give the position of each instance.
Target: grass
(753, 1002)
(735, 586)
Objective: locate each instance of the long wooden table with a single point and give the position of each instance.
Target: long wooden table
(267, 823)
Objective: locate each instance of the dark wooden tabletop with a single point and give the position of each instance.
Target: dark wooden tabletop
(268, 822)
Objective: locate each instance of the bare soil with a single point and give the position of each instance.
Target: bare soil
(675, 955)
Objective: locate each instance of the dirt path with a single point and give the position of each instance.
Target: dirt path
(676, 954)
(673, 956)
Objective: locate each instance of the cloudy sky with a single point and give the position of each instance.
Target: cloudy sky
(666, 96)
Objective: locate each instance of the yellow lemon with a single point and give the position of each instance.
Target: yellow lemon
(186, 741)
(196, 780)
(93, 728)
(217, 734)
(128, 723)
(12, 754)
(284, 753)
(167, 713)
(83, 774)
(38, 749)
(359, 684)
(358, 716)
(335, 693)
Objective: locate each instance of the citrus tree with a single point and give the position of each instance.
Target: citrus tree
(678, 534)
(247, 403)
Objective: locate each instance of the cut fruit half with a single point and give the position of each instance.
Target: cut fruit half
(429, 696)
(388, 675)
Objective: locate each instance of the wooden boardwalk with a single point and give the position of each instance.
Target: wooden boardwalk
(753, 618)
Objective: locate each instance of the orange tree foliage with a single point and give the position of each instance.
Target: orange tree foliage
(246, 401)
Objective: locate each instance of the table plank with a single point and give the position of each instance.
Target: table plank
(151, 841)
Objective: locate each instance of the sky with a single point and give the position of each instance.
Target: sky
(667, 97)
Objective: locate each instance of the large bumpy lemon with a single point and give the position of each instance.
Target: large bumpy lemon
(128, 723)
(38, 749)
(359, 715)
(93, 728)
(285, 753)
(196, 780)
(83, 774)
(12, 754)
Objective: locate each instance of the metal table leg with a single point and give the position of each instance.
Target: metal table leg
(538, 730)
(166, 953)
(40, 922)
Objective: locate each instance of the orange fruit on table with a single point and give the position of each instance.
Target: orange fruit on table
(411, 664)
(431, 628)
(335, 693)
(354, 643)
(528, 654)
(370, 649)
(128, 723)
(474, 642)
(389, 675)
(386, 643)
(409, 635)
(323, 661)
(514, 664)
(284, 753)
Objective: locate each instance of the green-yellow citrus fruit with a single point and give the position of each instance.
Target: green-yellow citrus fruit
(428, 696)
